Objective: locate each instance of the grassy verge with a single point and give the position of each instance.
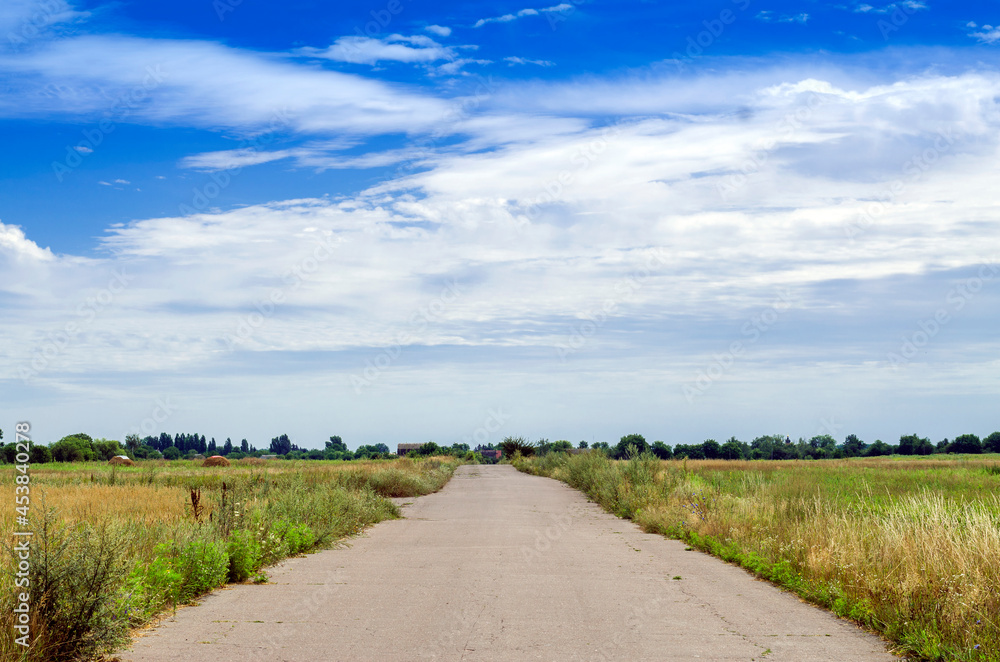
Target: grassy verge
(909, 549)
(114, 547)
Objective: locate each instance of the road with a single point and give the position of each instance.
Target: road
(500, 565)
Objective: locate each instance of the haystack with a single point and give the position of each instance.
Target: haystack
(123, 460)
(216, 461)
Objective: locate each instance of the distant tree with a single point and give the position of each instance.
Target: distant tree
(991, 444)
(426, 450)
(212, 449)
(73, 448)
(172, 453)
(511, 445)
(582, 444)
(762, 448)
(244, 447)
(132, 442)
(623, 450)
(966, 443)
(281, 445)
(734, 449)
(853, 446)
(925, 447)
(910, 444)
(660, 450)
(39, 454)
(381, 448)
(336, 444)
(878, 448)
(105, 449)
(227, 447)
(711, 449)
(459, 450)
(943, 446)
(690, 451)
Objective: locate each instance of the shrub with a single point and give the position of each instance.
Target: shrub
(171, 453)
(74, 448)
(76, 577)
(244, 555)
(203, 565)
(511, 445)
(40, 454)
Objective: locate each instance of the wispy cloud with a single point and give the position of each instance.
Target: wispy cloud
(910, 5)
(771, 17)
(986, 34)
(507, 18)
(512, 60)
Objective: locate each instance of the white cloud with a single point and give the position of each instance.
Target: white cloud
(397, 48)
(14, 244)
(908, 5)
(122, 181)
(206, 85)
(23, 21)
(988, 34)
(83, 149)
(507, 18)
(439, 30)
(769, 16)
(520, 60)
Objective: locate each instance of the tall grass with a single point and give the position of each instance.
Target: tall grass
(909, 549)
(113, 547)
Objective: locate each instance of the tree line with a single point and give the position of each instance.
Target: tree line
(767, 447)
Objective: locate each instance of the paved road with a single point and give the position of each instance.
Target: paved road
(504, 566)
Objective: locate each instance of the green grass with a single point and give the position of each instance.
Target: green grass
(115, 546)
(907, 547)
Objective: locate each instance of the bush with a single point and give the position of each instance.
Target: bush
(74, 448)
(511, 445)
(40, 454)
(171, 453)
(76, 577)
(203, 565)
(244, 555)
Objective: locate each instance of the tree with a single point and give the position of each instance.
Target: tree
(511, 445)
(582, 444)
(336, 444)
(853, 446)
(227, 447)
(132, 442)
(734, 449)
(172, 453)
(966, 443)
(39, 454)
(711, 449)
(244, 447)
(105, 449)
(943, 446)
(74, 448)
(878, 448)
(690, 451)
(991, 444)
(428, 449)
(281, 445)
(622, 450)
(909, 444)
(212, 449)
(660, 450)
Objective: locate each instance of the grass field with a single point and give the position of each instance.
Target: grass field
(115, 546)
(909, 548)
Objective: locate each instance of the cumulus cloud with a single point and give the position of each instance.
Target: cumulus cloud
(397, 48)
(439, 30)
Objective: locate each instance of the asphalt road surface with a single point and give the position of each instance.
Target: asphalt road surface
(500, 565)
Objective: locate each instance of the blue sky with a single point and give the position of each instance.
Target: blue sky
(400, 221)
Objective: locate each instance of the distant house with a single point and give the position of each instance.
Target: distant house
(403, 449)
(496, 454)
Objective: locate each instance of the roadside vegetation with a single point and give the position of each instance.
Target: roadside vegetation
(114, 546)
(905, 546)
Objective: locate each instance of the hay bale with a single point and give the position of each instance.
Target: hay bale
(255, 461)
(216, 461)
(122, 460)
